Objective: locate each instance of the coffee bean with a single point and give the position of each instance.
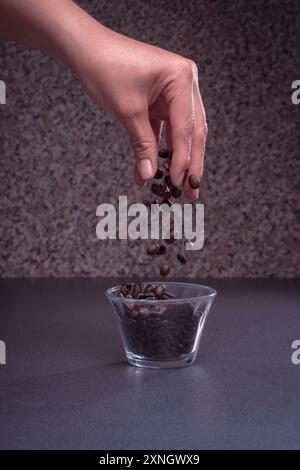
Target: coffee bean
(148, 288)
(181, 258)
(141, 286)
(159, 291)
(161, 249)
(166, 192)
(147, 202)
(159, 174)
(153, 249)
(168, 181)
(164, 269)
(167, 164)
(131, 291)
(144, 312)
(156, 188)
(149, 296)
(168, 295)
(154, 201)
(165, 153)
(194, 182)
(168, 201)
(176, 192)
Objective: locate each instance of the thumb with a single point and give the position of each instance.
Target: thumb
(144, 145)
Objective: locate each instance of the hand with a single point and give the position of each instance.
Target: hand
(144, 86)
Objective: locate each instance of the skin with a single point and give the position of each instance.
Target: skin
(143, 86)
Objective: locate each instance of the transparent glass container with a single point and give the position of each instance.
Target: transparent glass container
(163, 333)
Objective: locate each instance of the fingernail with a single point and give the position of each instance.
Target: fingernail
(145, 168)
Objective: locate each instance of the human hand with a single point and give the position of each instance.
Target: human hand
(144, 86)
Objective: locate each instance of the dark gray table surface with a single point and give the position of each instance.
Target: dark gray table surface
(66, 384)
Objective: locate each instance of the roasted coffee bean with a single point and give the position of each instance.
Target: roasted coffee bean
(157, 189)
(181, 258)
(176, 192)
(168, 201)
(165, 153)
(149, 296)
(147, 202)
(168, 181)
(141, 286)
(168, 295)
(159, 291)
(194, 182)
(131, 291)
(161, 249)
(159, 174)
(144, 312)
(167, 164)
(153, 249)
(154, 201)
(166, 192)
(149, 288)
(164, 269)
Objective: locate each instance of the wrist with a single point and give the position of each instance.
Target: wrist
(78, 31)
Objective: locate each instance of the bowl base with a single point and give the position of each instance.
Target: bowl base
(182, 361)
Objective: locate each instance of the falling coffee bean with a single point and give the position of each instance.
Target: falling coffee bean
(156, 188)
(168, 181)
(153, 249)
(164, 269)
(165, 153)
(166, 165)
(161, 249)
(159, 174)
(194, 182)
(181, 258)
(176, 192)
(147, 202)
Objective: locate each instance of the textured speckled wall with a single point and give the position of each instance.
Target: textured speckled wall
(61, 156)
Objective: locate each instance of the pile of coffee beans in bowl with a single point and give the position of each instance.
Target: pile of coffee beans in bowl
(156, 330)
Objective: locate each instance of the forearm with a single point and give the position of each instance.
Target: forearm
(56, 27)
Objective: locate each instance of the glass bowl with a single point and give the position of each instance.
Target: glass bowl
(163, 333)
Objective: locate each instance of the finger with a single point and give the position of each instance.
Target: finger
(168, 135)
(156, 128)
(137, 178)
(198, 144)
(181, 119)
(144, 145)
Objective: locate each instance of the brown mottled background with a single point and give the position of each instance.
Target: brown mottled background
(61, 156)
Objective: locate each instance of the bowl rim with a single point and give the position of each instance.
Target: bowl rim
(110, 294)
